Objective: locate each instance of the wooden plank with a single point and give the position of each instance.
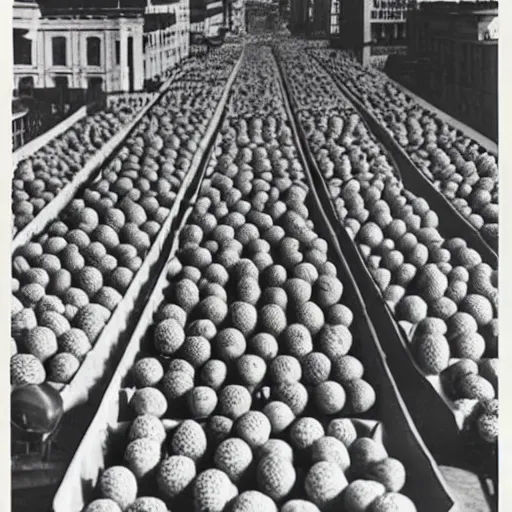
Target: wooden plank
(489, 145)
(36, 144)
(468, 489)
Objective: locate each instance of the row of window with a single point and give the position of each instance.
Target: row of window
(26, 83)
(18, 132)
(335, 17)
(59, 51)
(393, 4)
(388, 33)
(23, 50)
(389, 14)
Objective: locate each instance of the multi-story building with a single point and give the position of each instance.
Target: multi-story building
(166, 36)
(364, 26)
(373, 27)
(59, 45)
(262, 16)
(71, 47)
(237, 20)
(207, 16)
(454, 46)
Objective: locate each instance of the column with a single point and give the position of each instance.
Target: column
(48, 60)
(366, 34)
(395, 31)
(158, 49)
(123, 59)
(39, 47)
(138, 58)
(109, 55)
(78, 59)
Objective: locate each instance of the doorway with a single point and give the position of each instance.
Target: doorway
(94, 88)
(130, 64)
(61, 93)
(26, 86)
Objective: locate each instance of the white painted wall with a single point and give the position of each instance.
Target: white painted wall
(166, 48)
(76, 32)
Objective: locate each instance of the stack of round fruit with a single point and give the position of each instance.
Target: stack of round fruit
(256, 90)
(39, 178)
(440, 286)
(136, 99)
(211, 468)
(253, 346)
(68, 280)
(459, 167)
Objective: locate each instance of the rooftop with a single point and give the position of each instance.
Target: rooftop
(77, 7)
(459, 7)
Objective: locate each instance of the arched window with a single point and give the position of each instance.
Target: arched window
(59, 51)
(93, 51)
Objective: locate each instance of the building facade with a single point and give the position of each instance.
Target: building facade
(166, 38)
(107, 45)
(374, 27)
(207, 16)
(363, 26)
(455, 48)
(238, 16)
(262, 16)
(94, 48)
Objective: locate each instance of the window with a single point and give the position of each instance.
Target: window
(61, 82)
(22, 47)
(26, 86)
(335, 17)
(118, 51)
(59, 51)
(18, 132)
(93, 51)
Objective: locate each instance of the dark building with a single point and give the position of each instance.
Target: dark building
(366, 27)
(454, 47)
(262, 17)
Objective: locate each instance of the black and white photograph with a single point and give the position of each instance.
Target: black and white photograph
(254, 256)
